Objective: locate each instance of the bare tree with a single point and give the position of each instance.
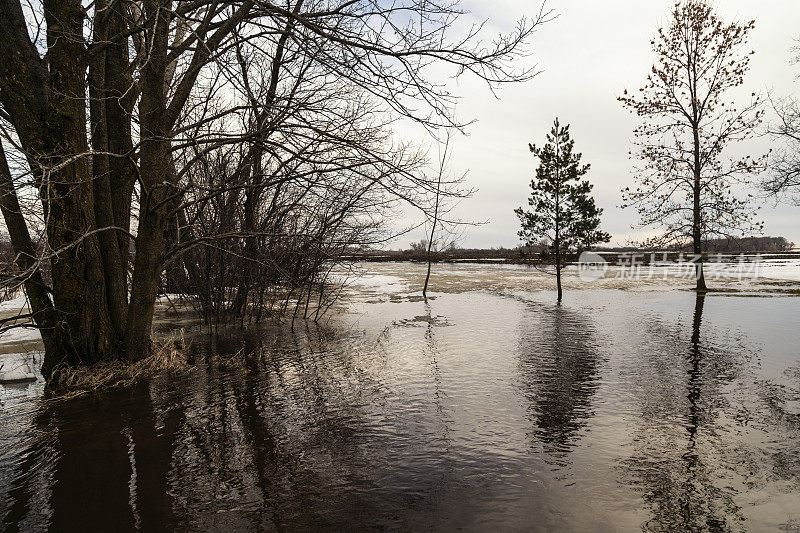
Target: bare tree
(685, 183)
(111, 105)
(445, 189)
(238, 259)
(784, 179)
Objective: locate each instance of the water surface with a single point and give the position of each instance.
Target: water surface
(480, 408)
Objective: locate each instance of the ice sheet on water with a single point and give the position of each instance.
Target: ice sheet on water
(20, 335)
(18, 303)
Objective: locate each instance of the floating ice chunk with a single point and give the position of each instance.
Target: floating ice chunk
(19, 374)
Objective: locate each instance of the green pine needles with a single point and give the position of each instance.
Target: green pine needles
(564, 215)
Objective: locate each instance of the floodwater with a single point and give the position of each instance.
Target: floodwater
(486, 407)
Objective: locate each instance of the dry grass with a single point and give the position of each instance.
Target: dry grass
(169, 355)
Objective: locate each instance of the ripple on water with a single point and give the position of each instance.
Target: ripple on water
(614, 410)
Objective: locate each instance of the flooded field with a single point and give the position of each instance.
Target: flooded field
(634, 405)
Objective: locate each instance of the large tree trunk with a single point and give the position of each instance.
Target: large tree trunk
(148, 262)
(147, 268)
(46, 105)
(155, 178)
(84, 330)
(102, 105)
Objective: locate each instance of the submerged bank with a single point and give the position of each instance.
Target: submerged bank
(486, 406)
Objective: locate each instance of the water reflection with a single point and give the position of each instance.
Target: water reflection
(82, 466)
(267, 447)
(558, 359)
(680, 460)
(473, 411)
(439, 395)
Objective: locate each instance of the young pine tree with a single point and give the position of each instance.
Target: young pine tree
(564, 213)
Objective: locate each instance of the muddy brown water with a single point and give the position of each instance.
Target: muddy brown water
(481, 410)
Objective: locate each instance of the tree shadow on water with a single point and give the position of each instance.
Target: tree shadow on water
(679, 462)
(558, 360)
(94, 464)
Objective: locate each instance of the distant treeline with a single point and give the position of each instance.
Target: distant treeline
(727, 245)
(749, 244)
(523, 254)
(517, 254)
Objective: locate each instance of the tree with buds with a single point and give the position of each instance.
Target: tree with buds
(685, 183)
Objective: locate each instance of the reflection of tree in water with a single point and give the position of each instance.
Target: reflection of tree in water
(442, 419)
(680, 457)
(278, 444)
(103, 471)
(558, 360)
(304, 437)
(307, 439)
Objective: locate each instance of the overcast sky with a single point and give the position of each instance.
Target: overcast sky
(587, 56)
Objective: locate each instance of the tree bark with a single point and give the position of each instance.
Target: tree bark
(155, 180)
(84, 327)
(41, 306)
(114, 262)
(697, 232)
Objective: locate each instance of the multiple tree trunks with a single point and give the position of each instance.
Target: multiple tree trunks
(85, 194)
(52, 131)
(86, 178)
(104, 99)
